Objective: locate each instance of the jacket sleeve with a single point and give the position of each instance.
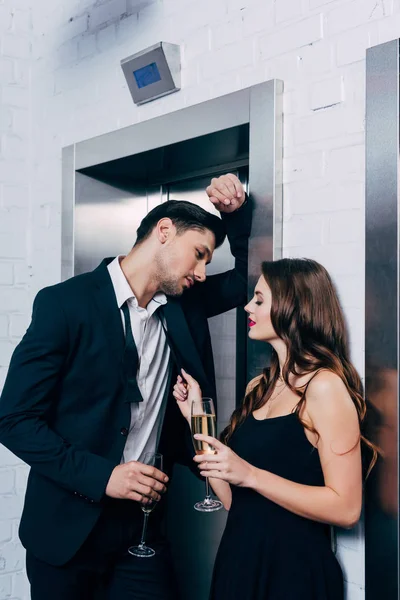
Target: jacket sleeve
(30, 392)
(224, 291)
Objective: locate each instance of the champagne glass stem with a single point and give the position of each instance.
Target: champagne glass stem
(142, 541)
(208, 496)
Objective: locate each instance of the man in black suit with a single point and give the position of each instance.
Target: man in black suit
(89, 392)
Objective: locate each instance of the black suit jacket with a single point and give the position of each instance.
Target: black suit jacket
(64, 409)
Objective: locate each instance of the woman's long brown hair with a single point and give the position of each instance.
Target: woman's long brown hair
(306, 315)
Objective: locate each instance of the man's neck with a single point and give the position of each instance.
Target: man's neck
(138, 270)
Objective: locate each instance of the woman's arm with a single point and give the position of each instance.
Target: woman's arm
(184, 394)
(222, 489)
(333, 414)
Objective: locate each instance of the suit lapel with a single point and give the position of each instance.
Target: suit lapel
(179, 334)
(184, 347)
(110, 316)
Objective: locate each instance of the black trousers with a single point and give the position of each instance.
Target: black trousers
(103, 569)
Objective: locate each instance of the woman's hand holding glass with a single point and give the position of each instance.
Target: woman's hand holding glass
(225, 464)
(185, 393)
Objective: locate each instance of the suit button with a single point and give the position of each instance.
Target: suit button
(124, 431)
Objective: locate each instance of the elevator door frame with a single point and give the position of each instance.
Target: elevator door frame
(260, 106)
(382, 317)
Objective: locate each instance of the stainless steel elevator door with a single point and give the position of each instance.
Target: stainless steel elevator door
(195, 536)
(105, 221)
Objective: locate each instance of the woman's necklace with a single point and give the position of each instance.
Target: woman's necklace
(280, 391)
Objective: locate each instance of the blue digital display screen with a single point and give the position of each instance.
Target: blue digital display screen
(147, 75)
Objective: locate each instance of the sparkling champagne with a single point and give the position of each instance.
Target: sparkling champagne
(207, 425)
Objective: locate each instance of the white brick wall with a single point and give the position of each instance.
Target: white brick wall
(60, 82)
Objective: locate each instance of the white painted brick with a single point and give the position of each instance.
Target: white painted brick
(5, 18)
(308, 198)
(352, 564)
(21, 478)
(226, 85)
(13, 95)
(253, 75)
(15, 196)
(7, 481)
(15, 46)
(351, 14)
(332, 122)
(22, 21)
(354, 591)
(19, 325)
(351, 292)
(6, 71)
(226, 59)
(6, 350)
(327, 93)
(5, 586)
(197, 15)
(351, 538)
(87, 46)
(260, 18)
(105, 13)
(7, 458)
(13, 299)
(351, 46)
(354, 83)
(13, 219)
(12, 553)
(12, 246)
(3, 326)
(5, 531)
(227, 32)
(75, 26)
(346, 226)
(138, 5)
(22, 273)
(20, 125)
(21, 587)
(389, 28)
(288, 9)
(3, 375)
(67, 53)
(14, 147)
(193, 96)
(318, 3)
(303, 166)
(344, 259)
(6, 273)
(316, 58)
(22, 73)
(106, 38)
(196, 44)
(300, 231)
(345, 161)
(299, 34)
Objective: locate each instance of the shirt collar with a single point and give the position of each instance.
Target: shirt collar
(123, 290)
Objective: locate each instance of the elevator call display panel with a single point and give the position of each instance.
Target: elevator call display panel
(147, 75)
(153, 72)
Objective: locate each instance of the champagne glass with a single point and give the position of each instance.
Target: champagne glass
(143, 551)
(203, 420)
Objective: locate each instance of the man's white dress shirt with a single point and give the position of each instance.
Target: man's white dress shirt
(154, 370)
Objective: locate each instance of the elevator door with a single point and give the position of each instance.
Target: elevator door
(105, 223)
(195, 536)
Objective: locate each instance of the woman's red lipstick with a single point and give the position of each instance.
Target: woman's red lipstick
(251, 323)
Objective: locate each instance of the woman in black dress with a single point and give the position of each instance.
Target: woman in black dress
(289, 463)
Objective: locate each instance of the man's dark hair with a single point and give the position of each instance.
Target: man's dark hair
(184, 215)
